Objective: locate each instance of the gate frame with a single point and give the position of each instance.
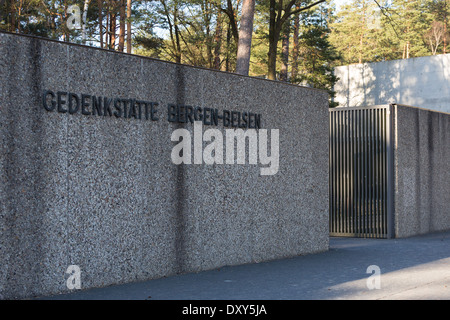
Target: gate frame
(390, 174)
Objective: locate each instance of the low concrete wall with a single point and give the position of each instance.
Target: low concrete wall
(421, 82)
(422, 171)
(101, 191)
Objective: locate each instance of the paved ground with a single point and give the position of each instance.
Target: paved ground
(413, 268)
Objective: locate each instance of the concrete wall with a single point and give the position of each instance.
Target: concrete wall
(421, 82)
(102, 192)
(422, 171)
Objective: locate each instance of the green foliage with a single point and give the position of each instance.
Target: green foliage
(356, 32)
(317, 56)
(316, 59)
(411, 20)
(398, 29)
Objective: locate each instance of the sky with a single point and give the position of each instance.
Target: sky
(340, 3)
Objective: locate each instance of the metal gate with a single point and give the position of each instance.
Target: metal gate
(360, 182)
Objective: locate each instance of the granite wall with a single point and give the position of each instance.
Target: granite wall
(422, 171)
(81, 185)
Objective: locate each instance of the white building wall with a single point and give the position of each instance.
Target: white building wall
(421, 82)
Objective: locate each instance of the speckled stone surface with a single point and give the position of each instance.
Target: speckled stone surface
(422, 171)
(102, 192)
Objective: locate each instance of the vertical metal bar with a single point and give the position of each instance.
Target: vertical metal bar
(362, 124)
(330, 173)
(371, 164)
(364, 174)
(338, 172)
(367, 174)
(333, 153)
(346, 145)
(380, 171)
(377, 170)
(372, 185)
(384, 185)
(336, 176)
(361, 171)
(330, 170)
(341, 177)
(380, 177)
(374, 175)
(390, 172)
(358, 171)
(342, 166)
(368, 181)
(358, 175)
(372, 234)
(352, 169)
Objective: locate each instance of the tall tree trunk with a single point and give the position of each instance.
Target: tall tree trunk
(206, 14)
(209, 47)
(177, 38)
(245, 37)
(19, 13)
(12, 20)
(407, 49)
(100, 21)
(273, 42)
(112, 30)
(128, 26)
(285, 52)
(230, 12)
(107, 37)
(177, 35)
(173, 29)
(227, 60)
(278, 15)
(66, 31)
(360, 49)
(445, 26)
(218, 40)
(295, 47)
(363, 30)
(407, 43)
(122, 12)
(445, 38)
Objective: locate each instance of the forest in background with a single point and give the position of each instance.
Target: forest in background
(297, 41)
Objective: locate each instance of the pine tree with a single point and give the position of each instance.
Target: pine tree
(316, 55)
(355, 32)
(438, 35)
(412, 20)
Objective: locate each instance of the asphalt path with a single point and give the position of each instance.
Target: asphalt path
(416, 268)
